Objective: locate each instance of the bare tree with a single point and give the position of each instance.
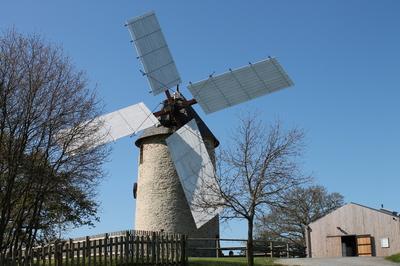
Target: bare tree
(253, 173)
(46, 179)
(300, 207)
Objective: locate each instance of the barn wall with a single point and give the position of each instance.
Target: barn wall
(354, 220)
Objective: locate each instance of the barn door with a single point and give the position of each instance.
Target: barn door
(364, 245)
(333, 247)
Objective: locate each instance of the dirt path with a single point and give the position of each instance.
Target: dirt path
(355, 261)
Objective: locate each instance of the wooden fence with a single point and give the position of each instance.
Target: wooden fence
(261, 248)
(128, 248)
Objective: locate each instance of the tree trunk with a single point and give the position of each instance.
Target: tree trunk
(250, 249)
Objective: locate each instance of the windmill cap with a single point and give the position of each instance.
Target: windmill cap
(188, 113)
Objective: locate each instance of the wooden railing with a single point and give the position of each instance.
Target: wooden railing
(130, 247)
(222, 247)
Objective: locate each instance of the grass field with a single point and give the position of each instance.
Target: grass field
(229, 262)
(394, 258)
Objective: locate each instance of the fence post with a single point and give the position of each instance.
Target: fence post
(111, 240)
(167, 248)
(153, 247)
(34, 256)
(88, 249)
(50, 252)
(217, 245)
(72, 251)
(157, 245)
(287, 250)
(69, 252)
(271, 248)
(127, 246)
(78, 253)
(19, 256)
(43, 255)
(132, 246)
(58, 252)
(183, 250)
(147, 248)
(105, 248)
(14, 257)
(95, 241)
(62, 249)
(101, 250)
(172, 248)
(162, 248)
(177, 245)
(121, 249)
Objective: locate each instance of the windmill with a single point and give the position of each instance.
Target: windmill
(176, 147)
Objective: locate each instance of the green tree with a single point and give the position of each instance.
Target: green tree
(47, 180)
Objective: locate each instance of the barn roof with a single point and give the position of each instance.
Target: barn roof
(384, 211)
(388, 212)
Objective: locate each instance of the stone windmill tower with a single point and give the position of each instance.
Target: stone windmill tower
(161, 203)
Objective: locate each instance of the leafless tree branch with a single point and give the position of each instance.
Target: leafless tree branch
(254, 172)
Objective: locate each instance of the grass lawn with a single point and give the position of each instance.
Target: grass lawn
(229, 262)
(394, 258)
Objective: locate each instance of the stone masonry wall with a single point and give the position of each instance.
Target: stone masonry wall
(161, 202)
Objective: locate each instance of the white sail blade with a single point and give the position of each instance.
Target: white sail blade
(153, 51)
(240, 85)
(195, 170)
(127, 121)
(115, 125)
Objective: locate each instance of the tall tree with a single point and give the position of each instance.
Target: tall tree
(48, 174)
(300, 207)
(253, 172)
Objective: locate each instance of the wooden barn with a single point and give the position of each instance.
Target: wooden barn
(354, 230)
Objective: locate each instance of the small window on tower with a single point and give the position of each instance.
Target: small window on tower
(141, 155)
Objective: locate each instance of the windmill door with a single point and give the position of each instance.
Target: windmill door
(364, 245)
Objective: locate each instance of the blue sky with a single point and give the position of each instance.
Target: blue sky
(342, 55)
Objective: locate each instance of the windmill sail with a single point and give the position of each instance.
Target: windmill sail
(118, 124)
(153, 51)
(127, 121)
(240, 85)
(195, 170)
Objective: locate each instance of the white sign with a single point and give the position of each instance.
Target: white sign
(385, 242)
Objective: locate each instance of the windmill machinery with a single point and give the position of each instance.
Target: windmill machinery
(176, 147)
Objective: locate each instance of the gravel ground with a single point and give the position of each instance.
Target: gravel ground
(354, 261)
